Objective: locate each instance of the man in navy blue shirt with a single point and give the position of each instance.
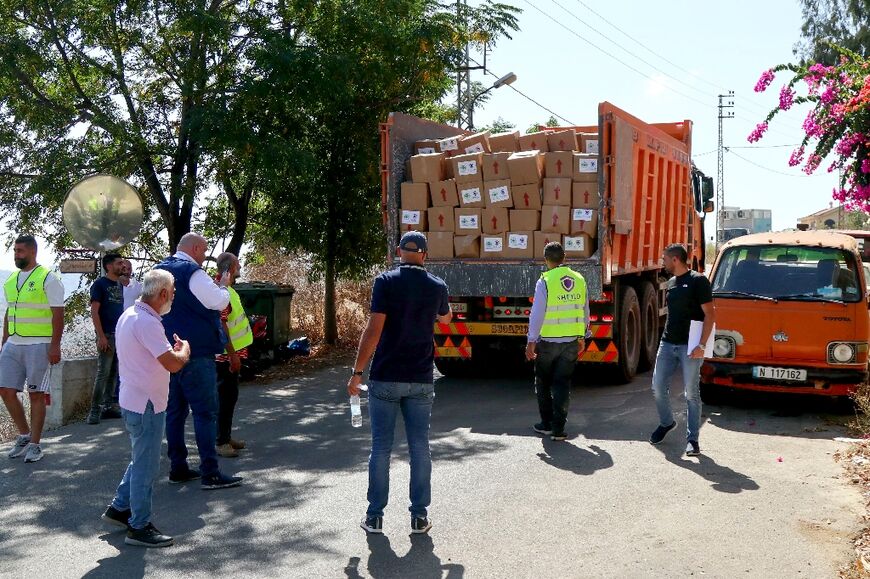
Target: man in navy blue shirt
(406, 302)
(107, 305)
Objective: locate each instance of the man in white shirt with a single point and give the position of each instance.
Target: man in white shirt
(132, 286)
(32, 330)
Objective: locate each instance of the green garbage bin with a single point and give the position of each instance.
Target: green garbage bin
(273, 301)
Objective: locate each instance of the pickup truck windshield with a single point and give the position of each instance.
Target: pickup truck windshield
(787, 272)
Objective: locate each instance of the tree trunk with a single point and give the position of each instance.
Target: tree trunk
(330, 322)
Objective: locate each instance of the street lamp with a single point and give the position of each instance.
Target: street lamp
(507, 79)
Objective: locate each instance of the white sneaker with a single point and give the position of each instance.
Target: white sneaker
(20, 446)
(34, 453)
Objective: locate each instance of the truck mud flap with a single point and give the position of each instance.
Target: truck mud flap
(602, 351)
(453, 349)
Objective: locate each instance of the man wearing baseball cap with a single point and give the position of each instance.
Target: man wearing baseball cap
(406, 303)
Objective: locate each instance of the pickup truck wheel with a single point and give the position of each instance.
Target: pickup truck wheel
(649, 324)
(628, 335)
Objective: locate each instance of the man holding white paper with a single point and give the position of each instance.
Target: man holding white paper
(689, 299)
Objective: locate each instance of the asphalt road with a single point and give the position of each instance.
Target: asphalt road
(765, 500)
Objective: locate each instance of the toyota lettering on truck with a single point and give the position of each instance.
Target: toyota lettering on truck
(791, 311)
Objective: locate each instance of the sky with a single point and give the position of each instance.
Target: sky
(662, 62)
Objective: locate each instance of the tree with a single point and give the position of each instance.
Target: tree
(845, 23)
(551, 122)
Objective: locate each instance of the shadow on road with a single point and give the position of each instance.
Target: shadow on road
(419, 562)
(569, 457)
(722, 478)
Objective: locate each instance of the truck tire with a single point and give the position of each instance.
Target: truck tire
(649, 326)
(628, 335)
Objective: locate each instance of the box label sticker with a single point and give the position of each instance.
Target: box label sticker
(466, 168)
(592, 147)
(493, 244)
(449, 144)
(426, 151)
(575, 243)
(582, 215)
(469, 222)
(516, 241)
(475, 148)
(411, 217)
(471, 195)
(499, 194)
(588, 165)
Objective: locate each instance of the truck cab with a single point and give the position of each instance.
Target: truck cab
(791, 314)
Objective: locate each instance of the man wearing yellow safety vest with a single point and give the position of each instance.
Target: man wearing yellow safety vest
(32, 329)
(558, 327)
(239, 337)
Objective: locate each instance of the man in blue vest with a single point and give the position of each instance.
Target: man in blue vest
(558, 326)
(195, 317)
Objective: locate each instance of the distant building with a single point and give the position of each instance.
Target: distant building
(834, 217)
(753, 220)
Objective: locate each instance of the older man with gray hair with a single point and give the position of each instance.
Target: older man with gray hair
(145, 360)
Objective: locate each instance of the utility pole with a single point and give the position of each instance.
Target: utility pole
(464, 96)
(726, 101)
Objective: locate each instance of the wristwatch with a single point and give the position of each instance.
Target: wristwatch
(360, 373)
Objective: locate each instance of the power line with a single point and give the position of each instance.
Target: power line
(768, 169)
(747, 147)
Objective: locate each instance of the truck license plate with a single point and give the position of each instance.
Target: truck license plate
(779, 373)
(458, 307)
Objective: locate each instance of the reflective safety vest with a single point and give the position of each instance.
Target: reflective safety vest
(28, 313)
(241, 335)
(566, 304)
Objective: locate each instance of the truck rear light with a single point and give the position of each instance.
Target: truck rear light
(607, 319)
(606, 298)
(593, 318)
(507, 312)
(527, 312)
(502, 300)
(532, 300)
(460, 316)
(498, 312)
(487, 302)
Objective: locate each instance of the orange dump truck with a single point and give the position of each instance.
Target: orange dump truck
(791, 315)
(651, 195)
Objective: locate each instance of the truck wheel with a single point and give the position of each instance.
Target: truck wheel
(649, 324)
(628, 335)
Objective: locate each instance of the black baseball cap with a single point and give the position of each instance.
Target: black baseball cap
(413, 241)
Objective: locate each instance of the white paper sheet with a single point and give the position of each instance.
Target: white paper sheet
(695, 330)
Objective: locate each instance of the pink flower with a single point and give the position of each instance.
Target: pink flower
(865, 166)
(811, 125)
(796, 157)
(830, 94)
(786, 98)
(812, 164)
(764, 81)
(759, 131)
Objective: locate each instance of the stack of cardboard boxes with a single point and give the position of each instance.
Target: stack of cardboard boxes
(504, 196)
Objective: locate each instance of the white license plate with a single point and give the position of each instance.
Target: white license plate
(779, 373)
(458, 308)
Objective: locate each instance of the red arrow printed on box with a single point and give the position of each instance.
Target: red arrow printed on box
(494, 222)
(495, 168)
(441, 220)
(444, 194)
(559, 166)
(555, 219)
(557, 190)
(526, 199)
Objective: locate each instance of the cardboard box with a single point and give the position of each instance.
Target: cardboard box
(557, 192)
(585, 167)
(542, 238)
(588, 143)
(415, 196)
(427, 168)
(466, 221)
(584, 221)
(426, 147)
(476, 143)
(412, 220)
(559, 164)
(520, 244)
(562, 140)
(440, 244)
(505, 142)
(527, 196)
(525, 220)
(585, 196)
(441, 219)
(467, 168)
(526, 167)
(450, 145)
(444, 194)
(534, 142)
(498, 193)
(556, 219)
(494, 220)
(471, 194)
(578, 246)
(495, 166)
(492, 246)
(466, 245)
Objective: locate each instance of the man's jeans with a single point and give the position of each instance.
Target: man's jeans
(554, 368)
(136, 488)
(669, 358)
(107, 377)
(193, 389)
(414, 400)
(228, 395)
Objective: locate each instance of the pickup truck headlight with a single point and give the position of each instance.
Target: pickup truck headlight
(724, 347)
(842, 352)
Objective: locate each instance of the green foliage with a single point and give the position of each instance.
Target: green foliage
(845, 23)
(500, 125)
(551, 122)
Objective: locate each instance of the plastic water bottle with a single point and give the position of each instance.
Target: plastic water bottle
(355, 412)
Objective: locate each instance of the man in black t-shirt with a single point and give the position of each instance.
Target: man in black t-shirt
(406, 302)
(107, 305)
(689, 298)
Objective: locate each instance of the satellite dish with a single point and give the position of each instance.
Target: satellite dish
(103, 212)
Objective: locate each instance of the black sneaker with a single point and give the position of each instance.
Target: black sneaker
(559, 436)
(147, 537)
(692, 448)
(110, 414)
(115, 517)
(93, 418)
(220, 481)
(542, 428)
(659, 433)
(191, 474)
(420, 525)
(373, 524)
